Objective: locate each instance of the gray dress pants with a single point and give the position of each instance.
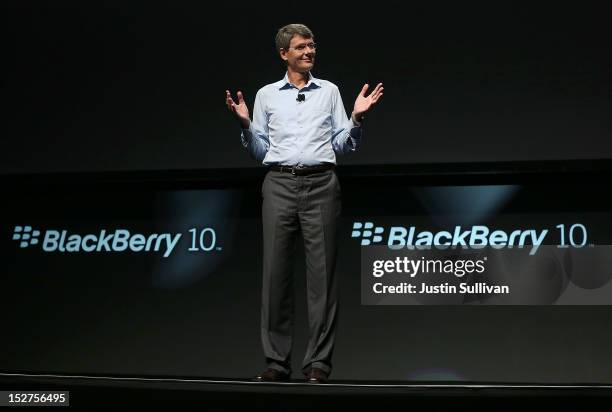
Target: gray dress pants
(309, 203)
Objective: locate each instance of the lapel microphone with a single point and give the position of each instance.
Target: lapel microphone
(300, 97)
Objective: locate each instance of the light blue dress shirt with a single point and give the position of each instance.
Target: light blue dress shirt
(285, 131)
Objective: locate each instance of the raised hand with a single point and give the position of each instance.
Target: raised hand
(363, 103)
(240, 110)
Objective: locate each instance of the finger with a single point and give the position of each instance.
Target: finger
(364, 89)
(240, 97)
(377, 88)
(375, 99)
(228, 99)
(378, 93)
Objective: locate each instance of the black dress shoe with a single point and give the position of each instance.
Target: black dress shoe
(271, 375)
(316, 375)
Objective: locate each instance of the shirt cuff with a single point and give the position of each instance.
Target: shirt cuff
(246, 136)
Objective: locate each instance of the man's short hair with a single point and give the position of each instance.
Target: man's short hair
(286, 33)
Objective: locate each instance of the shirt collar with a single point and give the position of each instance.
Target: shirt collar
(312, 81)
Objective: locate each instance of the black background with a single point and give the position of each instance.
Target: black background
(140, 86)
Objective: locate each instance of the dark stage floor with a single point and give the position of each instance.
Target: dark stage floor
(243, 395)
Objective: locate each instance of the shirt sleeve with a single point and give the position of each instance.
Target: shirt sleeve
(346, 135)
(255, 138)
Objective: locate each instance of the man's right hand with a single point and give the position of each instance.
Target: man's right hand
(240, 110)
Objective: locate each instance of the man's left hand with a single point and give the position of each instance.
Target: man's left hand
(363, 103)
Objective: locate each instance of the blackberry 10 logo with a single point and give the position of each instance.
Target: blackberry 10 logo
(472, 237)
(119, 240)
(366, 233)
(26, 236)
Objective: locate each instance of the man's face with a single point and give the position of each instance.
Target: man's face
(300, 56)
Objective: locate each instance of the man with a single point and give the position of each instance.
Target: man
(299, 125)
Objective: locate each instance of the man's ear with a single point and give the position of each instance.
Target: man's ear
(283, 54)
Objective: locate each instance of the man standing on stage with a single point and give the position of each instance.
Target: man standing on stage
(299, 125)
